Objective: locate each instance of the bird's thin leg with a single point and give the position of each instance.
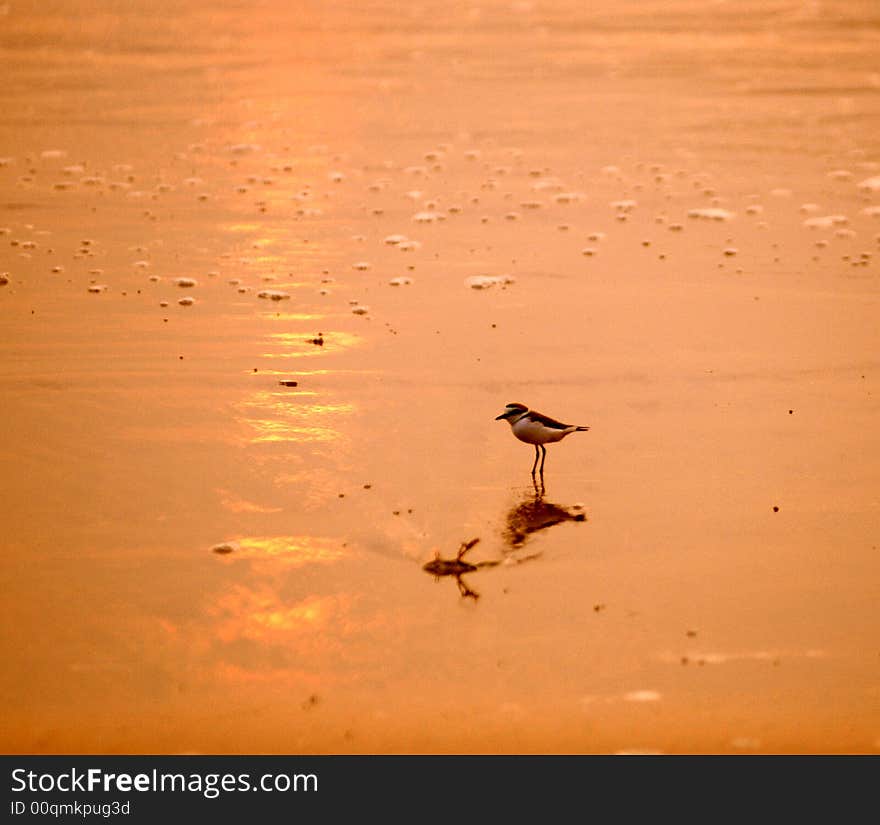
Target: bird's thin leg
(535, 465)
(465, 590)
(543, 458)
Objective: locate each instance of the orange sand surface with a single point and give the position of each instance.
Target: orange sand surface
(657, 219)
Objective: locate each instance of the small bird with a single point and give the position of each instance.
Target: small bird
(534, 428)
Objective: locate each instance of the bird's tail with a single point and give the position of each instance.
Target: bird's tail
(581, 429)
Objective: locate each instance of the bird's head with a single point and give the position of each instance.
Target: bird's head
(511, 411)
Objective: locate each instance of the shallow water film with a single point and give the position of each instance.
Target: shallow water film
(270, 272)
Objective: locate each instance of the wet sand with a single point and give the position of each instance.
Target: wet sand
(448, 207)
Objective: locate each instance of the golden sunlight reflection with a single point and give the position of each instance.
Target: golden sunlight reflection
(263, 260)
(261, 614)
(279, 417)
(291, 551)
(236, 504)
(267, 244)
(297, 345)
(296, 316)
(241, 227)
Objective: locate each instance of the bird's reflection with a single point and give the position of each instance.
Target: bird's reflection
(532, 514)
(457, 567)
(535, 513)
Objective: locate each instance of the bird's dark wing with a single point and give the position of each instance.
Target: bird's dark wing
(552, 423)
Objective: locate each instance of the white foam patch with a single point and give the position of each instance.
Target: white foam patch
(488, 281)
(428, 216)
(720, 658)
(569, 197)
(243, 148)
(712, 213)
(825, 221)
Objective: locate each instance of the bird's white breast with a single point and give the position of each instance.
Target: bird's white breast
(532, 432)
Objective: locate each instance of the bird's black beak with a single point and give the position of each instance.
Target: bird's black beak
(499, 417)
